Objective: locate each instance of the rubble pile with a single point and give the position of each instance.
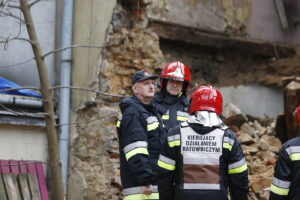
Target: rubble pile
(129, 51)
(260, 146)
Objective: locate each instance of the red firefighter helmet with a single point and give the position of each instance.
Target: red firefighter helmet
(206, 98)
(296, 115)
(176, 71)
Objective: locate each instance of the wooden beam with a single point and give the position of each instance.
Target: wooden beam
(2, 190)
(33, 186)
(24, 188)
(11, 185)
(281, 13)
(210, 38)
(291, 102)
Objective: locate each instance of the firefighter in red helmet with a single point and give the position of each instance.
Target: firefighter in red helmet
(171, 101)
(202, 158)
(296, 115)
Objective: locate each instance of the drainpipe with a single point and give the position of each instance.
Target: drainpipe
(65, 80)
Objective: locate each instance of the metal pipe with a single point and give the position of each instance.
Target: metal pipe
(65, 80)
(13, 100)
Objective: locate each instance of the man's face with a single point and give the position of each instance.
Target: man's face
(174, 87)
(144, 90)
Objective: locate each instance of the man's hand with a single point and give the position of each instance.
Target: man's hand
(147, 190)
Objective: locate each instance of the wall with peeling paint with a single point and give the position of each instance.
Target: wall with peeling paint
(254, 19)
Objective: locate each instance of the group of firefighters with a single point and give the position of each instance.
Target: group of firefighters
(173, 147)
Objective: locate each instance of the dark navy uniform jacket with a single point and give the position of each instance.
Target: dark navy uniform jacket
(286, 180)
(173, 109)
(139, 131)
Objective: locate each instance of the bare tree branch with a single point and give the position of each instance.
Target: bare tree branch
(89, 90)
(7, 5)
(17, 64)
(49, 53)
(9, 14)
(15, 38)
(73, 46)
(33, 3)
(60, 86)
(85, 122)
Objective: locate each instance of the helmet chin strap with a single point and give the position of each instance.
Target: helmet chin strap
(206, 118)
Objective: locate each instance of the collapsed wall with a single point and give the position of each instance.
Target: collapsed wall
(94, 170)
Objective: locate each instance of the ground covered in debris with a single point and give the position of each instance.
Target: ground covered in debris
(260, 147)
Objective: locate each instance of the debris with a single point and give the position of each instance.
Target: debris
(260, 146)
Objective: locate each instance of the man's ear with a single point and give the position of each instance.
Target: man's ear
(134, 89)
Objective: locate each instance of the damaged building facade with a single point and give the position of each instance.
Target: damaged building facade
(226, 43)
(242, 47)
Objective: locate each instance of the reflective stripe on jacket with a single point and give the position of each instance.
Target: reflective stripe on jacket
(134, 193)
(139, 131)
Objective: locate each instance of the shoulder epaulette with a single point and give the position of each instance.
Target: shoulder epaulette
(224, 127)
(184, 124)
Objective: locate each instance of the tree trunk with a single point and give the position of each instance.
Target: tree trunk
(55, 166)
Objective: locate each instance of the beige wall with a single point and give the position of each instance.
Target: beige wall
(90, 25)
(91, 21)
(23, 142)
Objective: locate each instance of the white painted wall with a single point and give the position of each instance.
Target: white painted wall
(17, 51)
(23, 143)
(254, 100)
